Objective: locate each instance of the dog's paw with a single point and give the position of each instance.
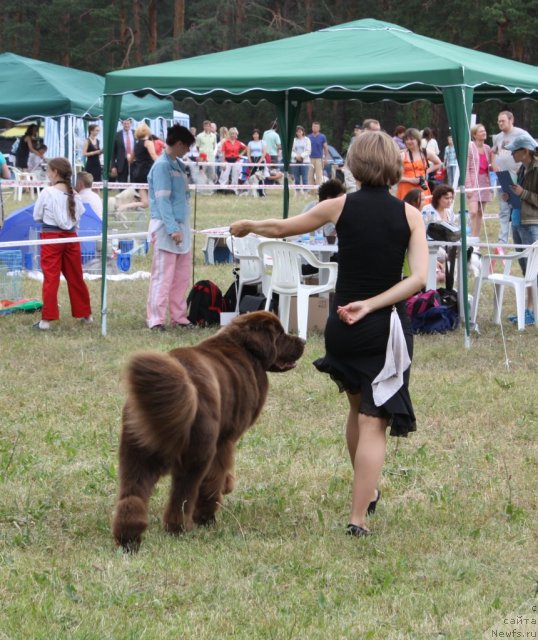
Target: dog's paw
(176, 523)
(130, 522)
(205, 519)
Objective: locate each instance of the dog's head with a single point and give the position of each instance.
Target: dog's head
(261, 334)
(256, 177)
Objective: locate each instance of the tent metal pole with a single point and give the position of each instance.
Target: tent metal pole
(464, 270)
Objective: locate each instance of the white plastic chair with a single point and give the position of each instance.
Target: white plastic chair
(16, 175)
(286, 279)
(245, 251)
(500, 280)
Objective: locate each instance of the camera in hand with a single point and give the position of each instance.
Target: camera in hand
(422, 183)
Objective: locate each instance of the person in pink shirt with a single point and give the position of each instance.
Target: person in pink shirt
(477, 177)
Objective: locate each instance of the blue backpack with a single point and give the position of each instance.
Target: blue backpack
(429, 315)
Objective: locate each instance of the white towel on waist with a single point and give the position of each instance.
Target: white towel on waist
(397, 360)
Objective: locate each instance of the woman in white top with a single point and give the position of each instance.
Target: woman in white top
(441, 205)
(440, 209)
(300, 156)
(256, 151)
(59, 209)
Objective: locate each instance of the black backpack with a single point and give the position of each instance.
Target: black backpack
(205, 303)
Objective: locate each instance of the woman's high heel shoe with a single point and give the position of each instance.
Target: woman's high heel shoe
(356, 531)
(373, 505)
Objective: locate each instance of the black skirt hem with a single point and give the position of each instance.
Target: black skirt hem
(398, 410)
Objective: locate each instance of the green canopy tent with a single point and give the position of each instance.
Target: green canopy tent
(31, 89)
(366, 60)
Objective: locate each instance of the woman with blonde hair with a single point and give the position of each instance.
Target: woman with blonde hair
(232, 150)
(144, 157)
(59, 209)
(477, 177)
(367, 316)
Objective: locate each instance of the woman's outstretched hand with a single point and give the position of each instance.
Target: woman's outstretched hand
(353, 311)
(240, 228)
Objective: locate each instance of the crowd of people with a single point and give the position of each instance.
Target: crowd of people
(426, 181)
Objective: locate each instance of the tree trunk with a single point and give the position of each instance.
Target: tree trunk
(64, 30)
(179, 26)
(309, 18)
(136, 32)
(36, 45)
(152, 26)
(339, 123)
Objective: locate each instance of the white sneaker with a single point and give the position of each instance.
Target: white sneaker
(88, 320)
(42, 325)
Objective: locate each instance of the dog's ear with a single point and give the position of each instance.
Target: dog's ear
(258, 332)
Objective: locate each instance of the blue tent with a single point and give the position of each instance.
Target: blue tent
(21, 226)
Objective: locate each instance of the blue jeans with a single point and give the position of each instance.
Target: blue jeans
(525, 234)
(300, 173)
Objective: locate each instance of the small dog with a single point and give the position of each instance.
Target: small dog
(185, 411)
(255, 179)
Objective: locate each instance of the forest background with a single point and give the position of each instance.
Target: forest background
(106, 36)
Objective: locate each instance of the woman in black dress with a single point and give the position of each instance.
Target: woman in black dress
(144, 157)
(92, 153)
(28, 143)
(375, 230)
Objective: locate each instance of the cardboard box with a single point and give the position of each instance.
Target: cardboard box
(318, 312)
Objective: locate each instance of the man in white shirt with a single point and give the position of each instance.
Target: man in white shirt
(499, 150)
(84, 188)
(206, 141)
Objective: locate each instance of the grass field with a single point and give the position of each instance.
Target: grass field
(455, 544)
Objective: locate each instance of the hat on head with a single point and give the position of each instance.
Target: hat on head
(522, 142)
(299, 127)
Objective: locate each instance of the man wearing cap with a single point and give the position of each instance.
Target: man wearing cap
(501, 159)
(525, 221)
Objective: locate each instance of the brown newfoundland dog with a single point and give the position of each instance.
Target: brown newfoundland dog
(185, 411)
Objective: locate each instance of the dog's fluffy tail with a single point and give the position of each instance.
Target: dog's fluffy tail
(165, 402)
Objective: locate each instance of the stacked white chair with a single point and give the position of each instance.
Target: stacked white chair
(286, 279)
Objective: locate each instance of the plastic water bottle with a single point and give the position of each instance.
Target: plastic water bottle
(319, 238)
(305, 238)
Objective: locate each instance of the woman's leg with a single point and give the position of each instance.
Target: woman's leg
(476, 222)
(79, 296)
(473, 213)
(51, 265)
(352, 425)
(144, 199)
(368, 462)
(178, 289)
(304, 177)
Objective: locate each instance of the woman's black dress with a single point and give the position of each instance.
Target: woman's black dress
(93, 164)
(373, 236)
(22, 154)
(142, 162)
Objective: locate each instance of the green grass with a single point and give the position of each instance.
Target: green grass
(455, 533)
